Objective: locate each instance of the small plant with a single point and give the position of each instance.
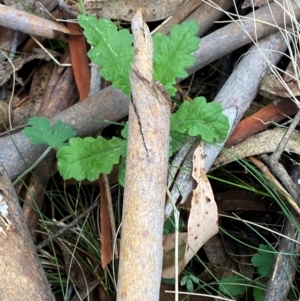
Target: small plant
(188, 281)
(87, 158)
(41, 132)
(200, 118)
(112, 50)
(235, 285)
(263, 260)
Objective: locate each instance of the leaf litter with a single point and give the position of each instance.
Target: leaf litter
(203, 218)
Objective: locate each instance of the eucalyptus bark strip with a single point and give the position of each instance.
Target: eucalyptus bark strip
(146, 177)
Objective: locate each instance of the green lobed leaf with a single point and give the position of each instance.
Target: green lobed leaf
(122, 171)
(40, 132)
(112, 50)
(259, 293)
(172, 54)
(124, 132)
(263, 260)
(124, 142)
(199, 118)
(87, 158)
(123, 153)
(176, 141)
(233, 285)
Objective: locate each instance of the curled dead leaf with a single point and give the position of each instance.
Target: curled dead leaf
(203, 219)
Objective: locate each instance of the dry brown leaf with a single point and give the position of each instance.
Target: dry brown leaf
(203, 219)
(271, 88)
(153, 10)
(80, 62)
(6, 68)
(256, 145)
(274, 112)
(38, 87)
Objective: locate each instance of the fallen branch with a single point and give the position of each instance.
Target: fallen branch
(141, 250)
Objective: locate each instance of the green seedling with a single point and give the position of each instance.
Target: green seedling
(235, 285)
(41, 132)
(112, 50)
(188, 281)
(263, 260)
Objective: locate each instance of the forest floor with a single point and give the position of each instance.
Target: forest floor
(248, 66)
